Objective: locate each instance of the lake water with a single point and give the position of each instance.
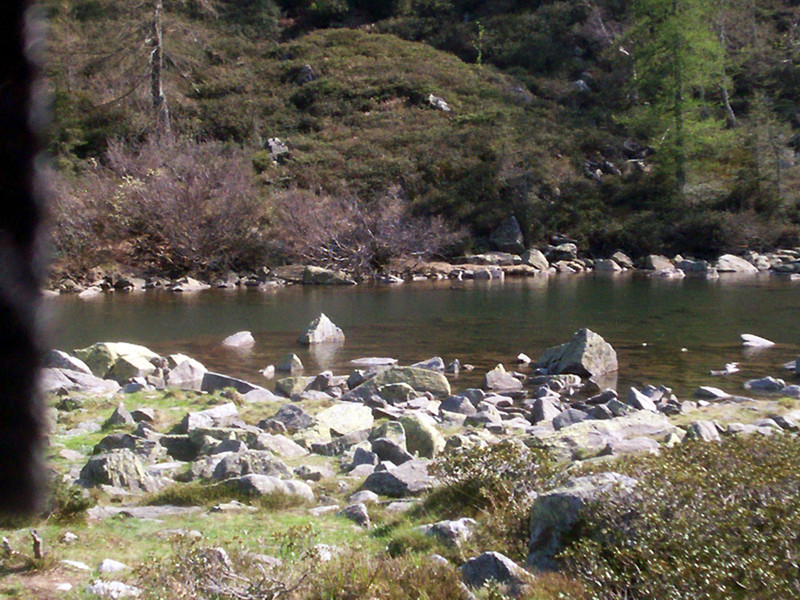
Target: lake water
(670, 332)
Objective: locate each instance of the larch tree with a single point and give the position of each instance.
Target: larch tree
(679, 66)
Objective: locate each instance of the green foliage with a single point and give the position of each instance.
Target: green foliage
(706, 521)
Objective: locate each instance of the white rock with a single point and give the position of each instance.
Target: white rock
(242, 339)
(76, 565)
(63, 587)
(112, 566)
(113, 589)
(753, 341)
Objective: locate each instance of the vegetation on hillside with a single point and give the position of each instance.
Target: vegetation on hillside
(643, 126)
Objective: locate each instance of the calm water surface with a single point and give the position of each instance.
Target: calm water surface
(649, 322)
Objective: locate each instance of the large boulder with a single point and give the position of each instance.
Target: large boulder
(346, 417)
(250, 462)
(422, 437)
(56, 359)
(321, 331)
(728, 263)
(536, 259)
(587, 354)
(187, 375)
(555, 514)
(103, 356)
(119, 468)
(507, 237)
(422, 380)
(320, 276)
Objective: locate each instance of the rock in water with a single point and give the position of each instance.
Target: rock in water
(242, 339)
(321, 331)
(753, 341)
(587, 354)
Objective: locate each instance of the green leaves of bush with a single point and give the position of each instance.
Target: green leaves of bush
(706, 521)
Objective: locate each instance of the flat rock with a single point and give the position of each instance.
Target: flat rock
(216, 416)
(214, 382)
(263, 485)
(422, 380)
(346, 417)
(728, 263)
(500, 380)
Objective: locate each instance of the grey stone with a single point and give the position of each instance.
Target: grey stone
(364, 457)
(279, 445)
(638, 445)
(255, 462)
(606, 266)
(535, 259)
(711, 393)
(321, 331)
(495, 567)
(118, 468)
(563, 252)
(457, 404)
(703, 430)
(290, 363)
(217, 416)
(264, 485)
(314, 472)
(365, 497)
(765, 384)
(120, 416)
(544, 409)
(655, 262)
(587, 355)
(214, 382)
(357, 513)
(500, 380)
(507, 236)
(56, 359)
(292, 417)
(387, 449)
(433, 364)
(422, 437)
(346, 417)
(291, 386)
(408, 479)
(728, 263)
(187, 375)
(555, 514)
(640, 401)
(622, 259)
(569, 417)
(396, 393)
(451, 533)
(422, 380)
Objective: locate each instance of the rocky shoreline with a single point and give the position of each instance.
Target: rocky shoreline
(563, 258)
(376, 431)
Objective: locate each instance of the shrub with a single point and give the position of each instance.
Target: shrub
(706, 521)
(346, 233)
(495, 484)
(174, 205)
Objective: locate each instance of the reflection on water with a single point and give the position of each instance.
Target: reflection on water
(648, 320)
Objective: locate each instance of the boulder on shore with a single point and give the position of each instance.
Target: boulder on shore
(587, 354)
(422, 380)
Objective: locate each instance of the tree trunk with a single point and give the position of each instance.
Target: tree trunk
(160, 107)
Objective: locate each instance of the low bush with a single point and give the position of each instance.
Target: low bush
(496, 485)
(173, 205)
(706, 521)
(346, 233)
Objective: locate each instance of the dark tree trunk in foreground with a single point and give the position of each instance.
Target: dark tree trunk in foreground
(20, 218)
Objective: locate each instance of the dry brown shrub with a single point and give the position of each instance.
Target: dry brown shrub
(173, 205)
(345, 232)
